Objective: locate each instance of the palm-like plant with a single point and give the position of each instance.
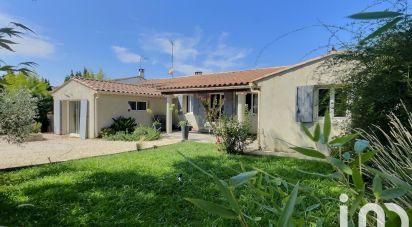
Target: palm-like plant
(15, 30)
(124, 124)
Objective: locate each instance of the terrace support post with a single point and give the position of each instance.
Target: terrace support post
(241, 103)
(169, 113)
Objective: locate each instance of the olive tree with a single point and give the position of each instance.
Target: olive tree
(17, 112)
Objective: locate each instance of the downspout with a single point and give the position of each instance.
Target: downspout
(96, 97)
(255, 88)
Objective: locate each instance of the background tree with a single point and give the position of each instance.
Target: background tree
(379, 81)
(38, 87)
(87, 73)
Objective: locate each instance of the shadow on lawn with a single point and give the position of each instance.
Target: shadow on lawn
(132, 196)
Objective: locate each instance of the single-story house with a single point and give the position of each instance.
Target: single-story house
(278, 99)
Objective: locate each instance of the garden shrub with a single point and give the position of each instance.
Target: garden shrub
(233, 136)
(141, 132)
(17, 112)
(105, 132)
(378, 82)
(148, 133)
(123, 124)
(36, 127)
(121, 136)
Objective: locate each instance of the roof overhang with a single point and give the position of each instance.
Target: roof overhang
(204, 89)
(127, 94)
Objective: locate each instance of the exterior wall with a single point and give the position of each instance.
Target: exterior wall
(73, 91)
(114, 105)
(277, 107)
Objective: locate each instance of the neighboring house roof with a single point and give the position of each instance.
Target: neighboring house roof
(129, 80)
(116, 87)
(234, 78)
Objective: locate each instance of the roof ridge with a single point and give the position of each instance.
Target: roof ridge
(221, 72)
(105, 81)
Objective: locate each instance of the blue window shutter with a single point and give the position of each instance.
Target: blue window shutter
(57, 117)
(83, 118)
(304, 104)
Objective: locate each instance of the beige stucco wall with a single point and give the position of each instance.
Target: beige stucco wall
(114, 105)
(278, 107)
(72, 91)
(106, 105)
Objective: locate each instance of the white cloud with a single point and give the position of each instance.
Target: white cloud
(194, 53)
(125, 55)
(224, 56)
(28, 45)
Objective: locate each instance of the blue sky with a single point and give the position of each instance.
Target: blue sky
(211, 35)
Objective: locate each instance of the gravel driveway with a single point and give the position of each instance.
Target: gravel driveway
(55, 148)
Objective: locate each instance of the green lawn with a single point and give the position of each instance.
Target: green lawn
(140, 188)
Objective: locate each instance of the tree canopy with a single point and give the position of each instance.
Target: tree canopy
(87, 73)
(380, 82)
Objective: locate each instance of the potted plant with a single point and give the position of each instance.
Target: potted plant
(184, 125)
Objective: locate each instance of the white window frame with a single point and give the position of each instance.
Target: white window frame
(215, 93)
(188, 101)
(331, 104)
(130, 109)
(252, 102)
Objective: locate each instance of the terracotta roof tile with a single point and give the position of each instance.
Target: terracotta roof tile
(112, 86)
(235, 78)
(156, 86)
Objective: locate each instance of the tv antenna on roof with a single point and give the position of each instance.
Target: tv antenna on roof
(141, 60)
(171, 69)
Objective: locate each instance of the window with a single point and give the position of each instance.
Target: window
(324, 101)
(331, 99)
(340, 103)
(252, 103)
(216, 101)
(189, 103)
(136, 105)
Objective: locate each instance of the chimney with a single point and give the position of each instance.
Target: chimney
(141, 73)
(198, 73)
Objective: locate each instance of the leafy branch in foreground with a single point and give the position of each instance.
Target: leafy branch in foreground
(393, 18)
(270, 194)
(7, 34)
(349, 169)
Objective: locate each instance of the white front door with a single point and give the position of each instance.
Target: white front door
(74, 117)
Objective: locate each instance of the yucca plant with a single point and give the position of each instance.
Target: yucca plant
(124, 124)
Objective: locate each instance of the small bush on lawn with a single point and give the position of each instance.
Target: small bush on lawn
(233, 136)
(147, 133)
(17, 112)
(121, 136)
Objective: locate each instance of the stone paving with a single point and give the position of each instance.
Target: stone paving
(56, 148)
